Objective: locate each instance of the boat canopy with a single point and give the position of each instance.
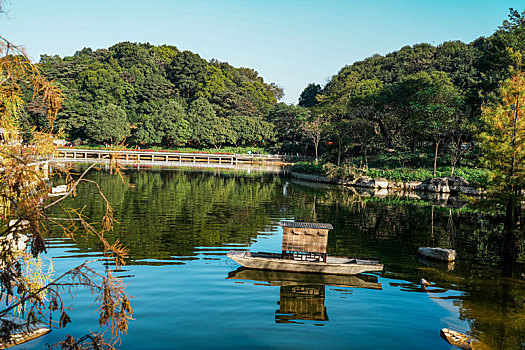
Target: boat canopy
(305, 240)
(294, 224)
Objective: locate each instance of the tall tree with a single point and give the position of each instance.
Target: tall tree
(314, 129)
(30, 294)
(308, 96)
(437, 105)
(350, 105)
(208, 129)
(168, 126)
(503, 147)
(188, 72)
(109, 125)
(287, 120)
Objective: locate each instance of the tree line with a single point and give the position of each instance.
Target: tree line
(419, 99)
(156, 95)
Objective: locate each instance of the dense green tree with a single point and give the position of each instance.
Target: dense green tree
(168, 126)
(314, 129)
(207, 128)
(474, 69)
(142, 79)
(74, 118)
(437, 106)
(493, 61)
(287, 121)
(350, 107)
(251, 131)
(109, 125)
(188, 72)
(308, 96)
(101, 84)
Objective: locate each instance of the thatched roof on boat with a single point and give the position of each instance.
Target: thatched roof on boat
(313, 225)
(304, 237)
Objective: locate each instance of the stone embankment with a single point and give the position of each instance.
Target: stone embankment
(436, 185)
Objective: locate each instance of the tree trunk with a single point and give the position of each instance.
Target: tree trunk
(517, 211)
(365, 158)
(386, 135)
(414, 144)
(339, 147)
(513, 210)
(316, 148)
(509, 253)
(432, 225)
(436, 157)
(456, 154)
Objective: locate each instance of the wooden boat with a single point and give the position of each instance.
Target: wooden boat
(333, 265)
(304, 250)
(24, 337)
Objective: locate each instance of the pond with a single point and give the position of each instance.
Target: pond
(179, 224)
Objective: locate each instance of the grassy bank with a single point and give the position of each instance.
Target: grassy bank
(477, 177)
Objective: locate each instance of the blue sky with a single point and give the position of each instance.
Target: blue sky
(289, 42)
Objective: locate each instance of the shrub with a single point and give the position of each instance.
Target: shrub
(308, 168)
(345, 172)
(348, 172)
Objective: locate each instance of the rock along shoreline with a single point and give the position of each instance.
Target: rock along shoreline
(437, 184)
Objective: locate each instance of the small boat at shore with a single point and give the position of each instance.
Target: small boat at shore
(304, 250)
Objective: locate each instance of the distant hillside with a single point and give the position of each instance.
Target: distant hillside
(418, 99)
(157, 95)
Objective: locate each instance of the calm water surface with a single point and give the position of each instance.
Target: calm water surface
(179, 225)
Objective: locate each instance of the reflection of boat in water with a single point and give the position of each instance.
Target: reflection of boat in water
(304, 250)
(281, 278)
(301, 303)
(302, 295)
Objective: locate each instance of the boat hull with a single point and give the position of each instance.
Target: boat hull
(333, 266)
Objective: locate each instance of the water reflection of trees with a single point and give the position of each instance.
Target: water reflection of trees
(168, 215)
(165, 214)
(394, 227)
(493, 305)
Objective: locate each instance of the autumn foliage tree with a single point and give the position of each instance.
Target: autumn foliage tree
(502, 146)
(30, 294)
